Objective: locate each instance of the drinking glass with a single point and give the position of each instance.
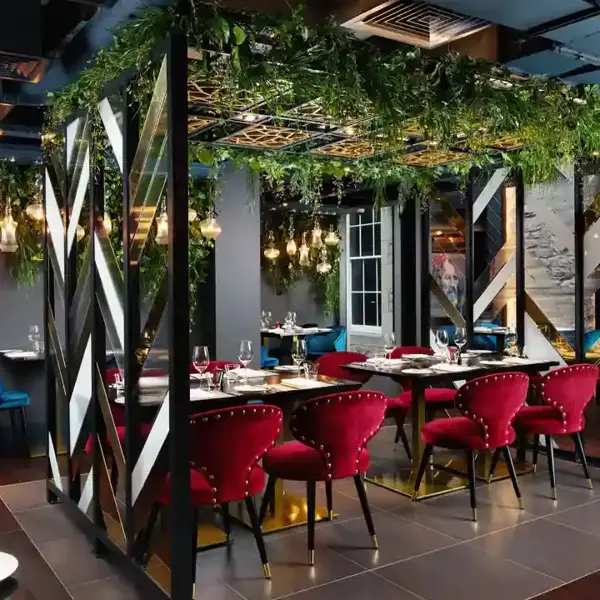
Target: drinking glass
(245, 356)
(511, 342)
(201, 359)
(294, 319)
(441, 336)
(460, 338)
(263, 320)
(389, 343)
(312, 371)
(269, 319)
(34, 336)
(287, 323)
(298, 351)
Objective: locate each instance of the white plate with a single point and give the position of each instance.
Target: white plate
(251, 389)
(8, 565)
(416, 371)
(477, 352)
(287, 368)
(417, 356)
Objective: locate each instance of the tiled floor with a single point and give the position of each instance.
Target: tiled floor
(429, 550)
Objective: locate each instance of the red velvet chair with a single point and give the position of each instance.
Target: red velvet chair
(398, 407)
(226, 448)
(489, 405)
(332, 434)
(333, 363)
(564, 394)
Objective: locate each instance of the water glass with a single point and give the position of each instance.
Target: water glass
(298, 351)
(245, 355)
(442, 339)
(311, 371)
(389, 344)
(34, 336)
(460, 338)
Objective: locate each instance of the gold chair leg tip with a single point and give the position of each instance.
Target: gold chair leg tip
(267, 570)
(554, 494)
(474, 514)
(534, 468)
(521, 503)
(311, 557)
(590, 484)
(375, 542)
(330, 515)
(415, 496)
(194, 591)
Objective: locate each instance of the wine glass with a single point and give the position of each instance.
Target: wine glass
(460, 338)
(245, 355)
(263, 320)
(34, 336)
(287, 323)
(298, 352)
(441, 336)
(511, 342)
(201, 359)
(389, 343)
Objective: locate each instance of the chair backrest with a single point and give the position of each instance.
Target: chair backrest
(493, 401)
(339, 427)
(569, 390)
(332, 365)
(226, 444)
(400, 351)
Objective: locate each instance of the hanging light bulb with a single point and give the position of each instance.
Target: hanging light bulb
(192, 214)
(291, 247)
(332, 239)
(316, 234)
(210, 228)
(323, 267)
(107, 222)
(162, 229)
(271, 252)
(304, 260)
(35, 210)
(80, 233)
(8, 232)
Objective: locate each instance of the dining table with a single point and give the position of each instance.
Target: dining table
(287, 335)
(447, 473)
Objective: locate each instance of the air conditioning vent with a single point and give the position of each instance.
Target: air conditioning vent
(415, 23)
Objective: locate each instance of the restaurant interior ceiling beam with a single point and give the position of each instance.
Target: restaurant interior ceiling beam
(564, 21)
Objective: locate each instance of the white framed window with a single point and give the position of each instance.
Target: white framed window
(364, 272)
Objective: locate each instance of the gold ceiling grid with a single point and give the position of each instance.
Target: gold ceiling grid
(267, 137)
(431, 158)
(349, 148)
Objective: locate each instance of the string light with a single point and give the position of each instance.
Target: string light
(304, 253)
(210, 228)
(192, 214)
(323, 267)
(35, 210)
(316, 234)
(271, 252)
(80, 233)
(331, 239)
(107, 222)
(162, 229)
(8, 232)
(291, 247)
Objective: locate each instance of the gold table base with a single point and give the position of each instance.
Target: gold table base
(458, 466)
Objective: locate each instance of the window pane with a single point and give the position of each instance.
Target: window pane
(378, 275)
(377, 240)
(366, 217)
(370, 267)
(357, 275)
(354, 241)
(367, 240)
(371, 309)
(376, 215)
(357, 309)
(354, 218)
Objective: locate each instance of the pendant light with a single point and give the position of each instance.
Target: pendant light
(35, 210)
(291, 247)
(162, 229)
(192, 215)
(323, 267)
(80, 233)
(304, 253)
(316, 234)
(107, 223)
(8, 232)
(332, 239)
(271, 252)
(210, 228)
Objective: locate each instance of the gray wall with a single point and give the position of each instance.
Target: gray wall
(237, 267)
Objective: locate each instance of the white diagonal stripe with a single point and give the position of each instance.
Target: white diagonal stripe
(113, 297)
(81, 396)
(154, 443)
(538, 346)
(488, 192)
(55, 225)
(54, 464)
(82, 185)
(88, 493)
(113, 131)
(72, 128)
(494, 288)
(591, 258)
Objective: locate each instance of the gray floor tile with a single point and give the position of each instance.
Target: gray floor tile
(585, 518)
(24, 496)
(119, 588)
(570, 475)
(398, 539)
(465, 573)
(47, 524)
(547, 547)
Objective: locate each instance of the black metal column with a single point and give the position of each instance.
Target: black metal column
(520, 257)
(131, 272)
(578, 207)
(424, 276)
(409, 285)
(469, 256)
(182, 528)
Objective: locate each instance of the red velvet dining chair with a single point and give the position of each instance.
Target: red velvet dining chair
(226, 448)
(564, 394)
(333, 363)
(332, 434)
(398, 406)
(489, 405)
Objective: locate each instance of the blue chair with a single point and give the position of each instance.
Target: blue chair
(15, 402)
(266, 361)
(318, 345)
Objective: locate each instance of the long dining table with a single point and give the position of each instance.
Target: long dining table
(447, 473)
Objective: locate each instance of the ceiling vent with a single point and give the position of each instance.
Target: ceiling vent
(415, 23)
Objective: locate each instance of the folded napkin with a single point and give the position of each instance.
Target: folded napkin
(300, 383)
(248, 373)
(492, 363)
(416, 371)
(152, 383)
(197, 394)
(387, 362)
(445, 367)
(517, 360)
(287, 368)
(21, 354)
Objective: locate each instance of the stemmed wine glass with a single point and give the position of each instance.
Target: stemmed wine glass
(441, 336)
(460, 338)
(245, 356)
(34, 337)
(298, 352)
(201, 360)
(389, 343)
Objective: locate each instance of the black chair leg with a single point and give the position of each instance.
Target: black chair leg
(581, 453)
(536, 451)
(550, 454)
(143, 542)
(329, 494)
(494, 464)
(268, 498)
(401, 434)
(364, 503)
(114, 475)
(424, 462)
(13, 429)
(260, 543)
(311, 493)
(24, 432)
(194, 551)
(471, 465)
(226, 521)
(513, 474)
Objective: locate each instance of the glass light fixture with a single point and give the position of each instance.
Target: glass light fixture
(323, 267)
(80, 233)
(304, 253)
(107, 222)
(210, 228)
(162, 229)
(332, 239)
(271, 252)
(35, 210)
(291, 247)
(316, 234)
(8, 232)
(192, 214)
